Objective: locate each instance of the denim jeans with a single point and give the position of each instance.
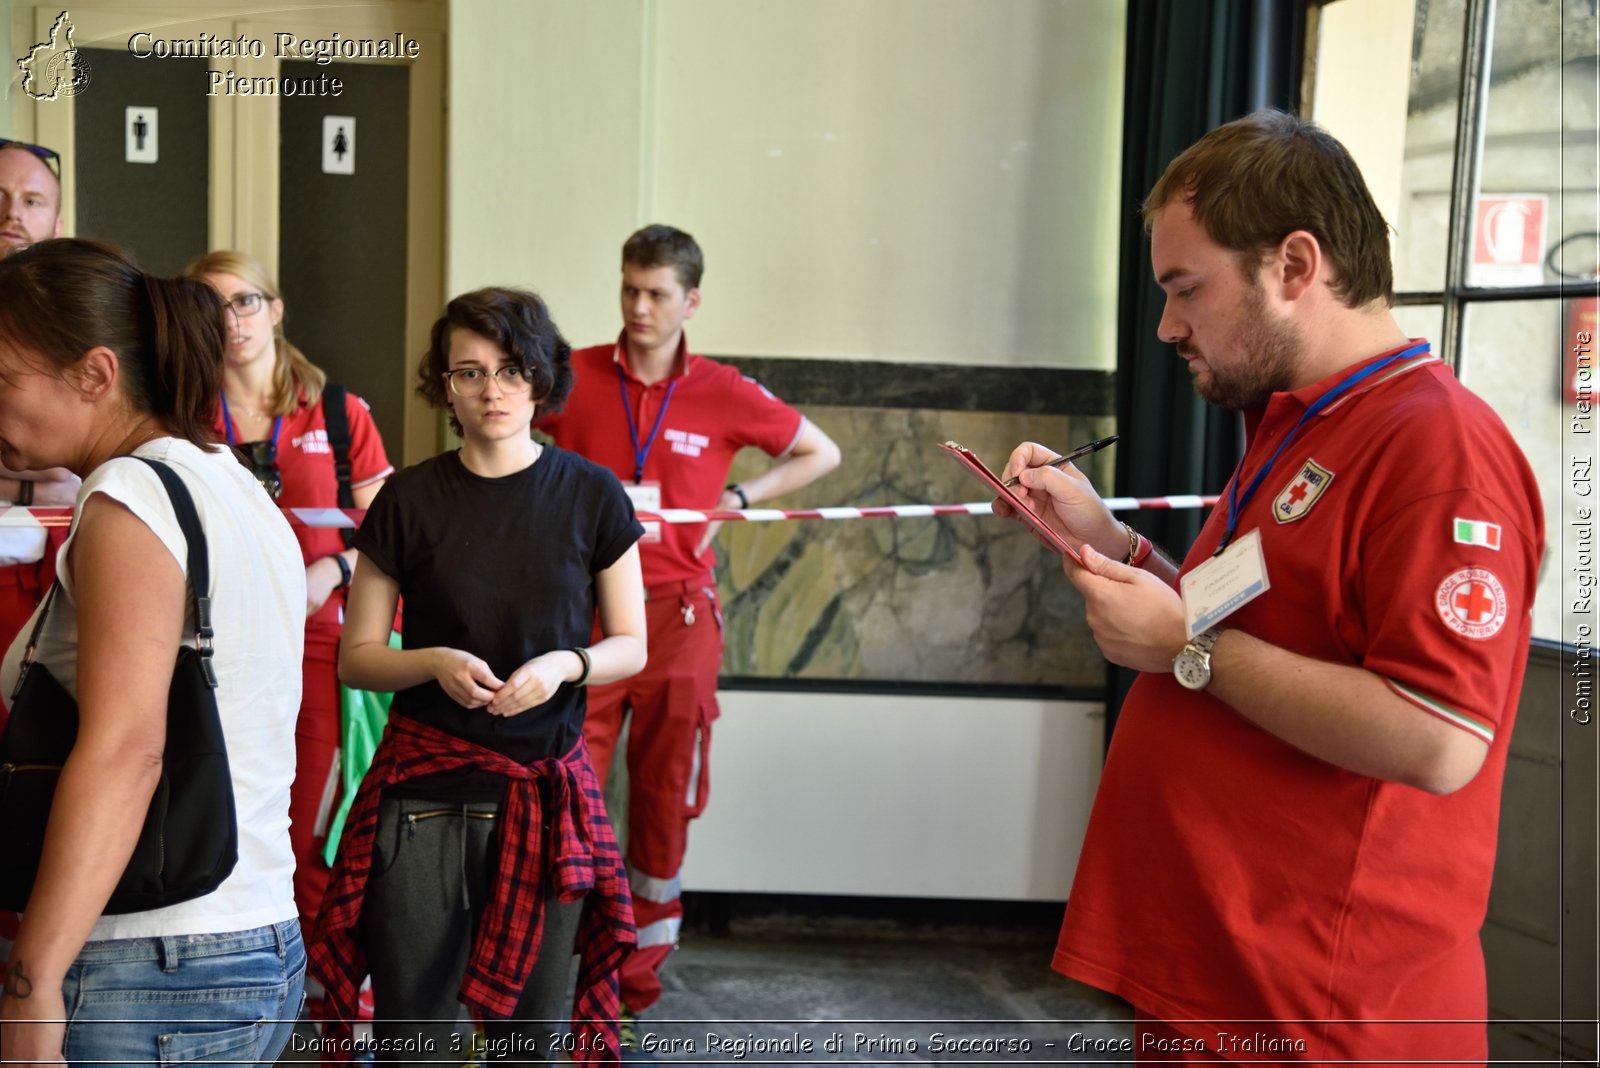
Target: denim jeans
(213, 997)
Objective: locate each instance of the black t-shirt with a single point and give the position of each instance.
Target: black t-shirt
(502, 568)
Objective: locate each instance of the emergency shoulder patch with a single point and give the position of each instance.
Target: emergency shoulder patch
(1302, 492)
(1472, 603)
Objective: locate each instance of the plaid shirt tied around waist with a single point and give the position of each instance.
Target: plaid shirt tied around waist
(580, 858)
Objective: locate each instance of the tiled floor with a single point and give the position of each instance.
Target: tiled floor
(877, 989)
(873, 982)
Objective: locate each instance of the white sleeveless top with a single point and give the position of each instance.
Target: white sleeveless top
(258, 596)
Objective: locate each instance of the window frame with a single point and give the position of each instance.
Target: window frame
(1477, 40)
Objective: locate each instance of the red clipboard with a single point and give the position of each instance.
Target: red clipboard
(1041, 530)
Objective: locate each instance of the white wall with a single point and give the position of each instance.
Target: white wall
(1363, 67)
(896, 797)
(929, 180)
(13, 78)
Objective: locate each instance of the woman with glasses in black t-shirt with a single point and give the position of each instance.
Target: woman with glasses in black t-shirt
(478, 844)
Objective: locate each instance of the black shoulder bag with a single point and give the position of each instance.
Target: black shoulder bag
(190, 840)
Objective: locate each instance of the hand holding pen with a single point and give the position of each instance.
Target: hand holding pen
(1076, 454)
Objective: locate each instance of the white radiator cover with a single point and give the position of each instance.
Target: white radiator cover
(896, 796)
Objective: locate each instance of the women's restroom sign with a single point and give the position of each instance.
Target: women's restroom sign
(1508, 241)
(338, 144)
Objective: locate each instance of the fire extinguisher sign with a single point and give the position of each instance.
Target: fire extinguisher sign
(1508, 242)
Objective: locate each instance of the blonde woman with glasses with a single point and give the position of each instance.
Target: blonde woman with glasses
(272, 409)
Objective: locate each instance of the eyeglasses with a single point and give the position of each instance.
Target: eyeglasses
(50, 156)
(261, 457)
(247, 304)
(472, 381)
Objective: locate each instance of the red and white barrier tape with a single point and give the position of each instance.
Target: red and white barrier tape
(349, 517)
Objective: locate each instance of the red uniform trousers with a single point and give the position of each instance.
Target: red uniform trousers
(19, 595)
(315, 793)
(674, 701)
(21, 588)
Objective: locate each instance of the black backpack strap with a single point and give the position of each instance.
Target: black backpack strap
(199, 566)
(337, 421)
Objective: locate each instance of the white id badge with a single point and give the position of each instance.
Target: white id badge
(646, 497)
(1223, 584)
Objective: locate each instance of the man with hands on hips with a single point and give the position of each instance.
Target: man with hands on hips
(668, 422)
(1296, 822)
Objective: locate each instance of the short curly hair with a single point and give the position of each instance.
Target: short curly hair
(516, 320)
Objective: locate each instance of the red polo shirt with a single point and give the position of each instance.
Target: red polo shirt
(711, 411)
(1227, 875)
(305, 462)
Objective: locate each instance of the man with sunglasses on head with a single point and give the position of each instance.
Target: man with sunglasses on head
(30, 195)
(30, 211)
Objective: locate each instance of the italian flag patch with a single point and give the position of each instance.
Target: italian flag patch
(1477, 532)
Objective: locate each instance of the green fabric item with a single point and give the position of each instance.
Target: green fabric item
(362, 717)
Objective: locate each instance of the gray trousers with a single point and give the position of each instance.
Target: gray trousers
(430, 880)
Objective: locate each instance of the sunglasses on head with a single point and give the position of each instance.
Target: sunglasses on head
(50, 156)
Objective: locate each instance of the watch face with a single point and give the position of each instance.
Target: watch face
(1192, 669)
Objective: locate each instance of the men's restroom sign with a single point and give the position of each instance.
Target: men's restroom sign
(139, 132)
(1508, 240)
(338, 144)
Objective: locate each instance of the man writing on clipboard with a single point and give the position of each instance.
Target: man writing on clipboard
(1297, 817)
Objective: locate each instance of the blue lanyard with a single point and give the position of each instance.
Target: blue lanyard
(639, 455)
(1237, 505)
(227, 424)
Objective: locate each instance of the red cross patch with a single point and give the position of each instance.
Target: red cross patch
(1472, 603)
(1301, 492)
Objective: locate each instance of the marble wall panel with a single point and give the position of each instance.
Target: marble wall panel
(948, 599)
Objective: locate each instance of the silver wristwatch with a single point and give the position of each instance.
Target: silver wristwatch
(1192, 666)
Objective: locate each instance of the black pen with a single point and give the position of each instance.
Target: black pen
(1078, 453)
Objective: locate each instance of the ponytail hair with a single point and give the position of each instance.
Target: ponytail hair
(61, 298)
(292, 373)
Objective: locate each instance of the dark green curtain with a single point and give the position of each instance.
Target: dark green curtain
(1191, 66)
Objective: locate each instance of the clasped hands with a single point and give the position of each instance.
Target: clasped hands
(468, 682)
(1136, 618)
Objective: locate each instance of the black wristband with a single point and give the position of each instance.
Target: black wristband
(344, 569)
(25, 492)
(738, 491)
(583, 654)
